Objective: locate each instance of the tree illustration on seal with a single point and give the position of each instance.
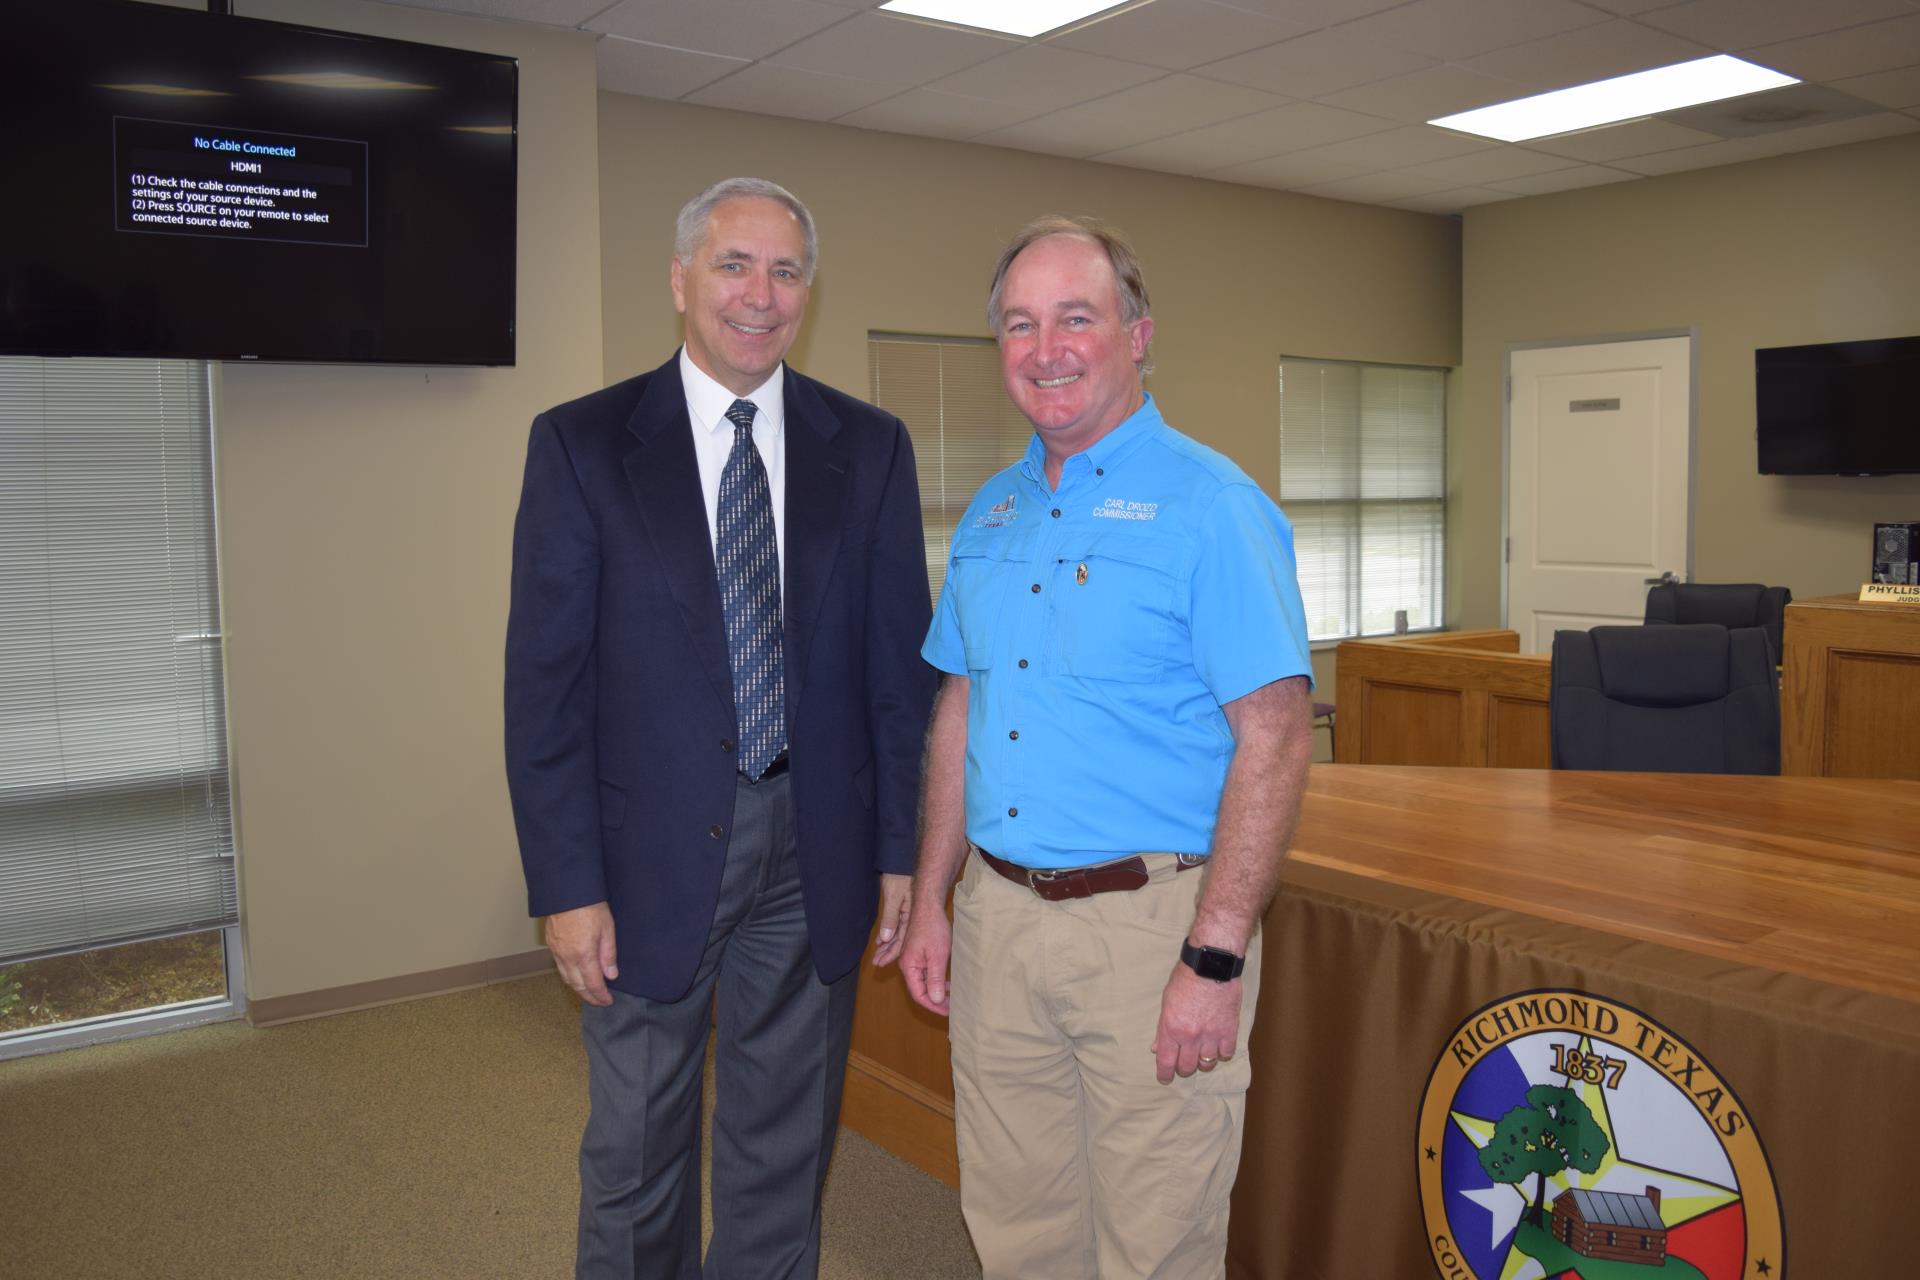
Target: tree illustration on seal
(1553, 1132)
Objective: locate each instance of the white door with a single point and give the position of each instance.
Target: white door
(1598, 451)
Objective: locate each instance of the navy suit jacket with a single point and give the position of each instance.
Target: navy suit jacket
(619, 696)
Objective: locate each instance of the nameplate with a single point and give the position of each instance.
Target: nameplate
(1889, 593)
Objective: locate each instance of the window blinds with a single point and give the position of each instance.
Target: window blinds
(1363, 479)
(964, 428)
(115, 822)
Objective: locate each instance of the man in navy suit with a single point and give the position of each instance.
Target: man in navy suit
(715, 707)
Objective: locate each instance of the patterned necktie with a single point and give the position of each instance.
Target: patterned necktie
(748, 562)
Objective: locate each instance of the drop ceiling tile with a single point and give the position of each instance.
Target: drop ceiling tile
(1746, 24)
(1591, 53)
(1374, 188)
(1322, 63)
(1859, 129)
(1456, 29)
(1131, 116)
(655, 71)
(784, 91)
(1628, 8)
(558, 13)
(1397, 148)
(896, 51)
(1857, 51)
(1586, 175)
(1314, 13)
(1177, 34)
(1045, 78)
(1427, 94)
(1290, 128)
(938, 115)
(1899, 88)
(1286, 172)
(1452, 201)
(1490, 166)
(1628, 138)
(731, 28)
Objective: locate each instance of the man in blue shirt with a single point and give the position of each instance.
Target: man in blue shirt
(1117, 755)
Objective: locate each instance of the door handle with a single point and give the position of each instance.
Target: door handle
(1666, 579)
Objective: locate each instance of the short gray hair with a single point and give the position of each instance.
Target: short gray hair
(1128, 279)
(691, 226)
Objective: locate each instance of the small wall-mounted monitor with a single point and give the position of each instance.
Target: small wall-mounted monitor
(184, 184)
(1839, 408)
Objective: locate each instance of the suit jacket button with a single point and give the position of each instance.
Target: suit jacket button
(726, 744)
(716, 831)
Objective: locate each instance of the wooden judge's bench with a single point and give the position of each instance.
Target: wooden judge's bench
(1850, 689)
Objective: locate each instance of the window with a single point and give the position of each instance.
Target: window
(115, 823)
(1363, 480)
(964, 428)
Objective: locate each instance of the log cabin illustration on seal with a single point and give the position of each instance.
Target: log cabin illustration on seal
(1607, 1224)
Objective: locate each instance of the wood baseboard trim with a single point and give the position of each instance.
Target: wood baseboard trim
(324, 1003)
(906, 1118)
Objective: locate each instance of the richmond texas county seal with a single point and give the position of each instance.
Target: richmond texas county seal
(1564, 1133)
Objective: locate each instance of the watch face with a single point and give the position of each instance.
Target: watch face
(1211, 962)
(1217, 965)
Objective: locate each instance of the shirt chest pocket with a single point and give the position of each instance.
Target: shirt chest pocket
(979, 578)
(1117, 615)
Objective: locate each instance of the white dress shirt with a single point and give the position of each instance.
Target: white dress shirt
(707, 405)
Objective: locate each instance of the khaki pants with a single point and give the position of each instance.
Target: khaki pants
(1074, 1160)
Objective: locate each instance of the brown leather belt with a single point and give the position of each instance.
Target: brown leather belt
(1123, 876)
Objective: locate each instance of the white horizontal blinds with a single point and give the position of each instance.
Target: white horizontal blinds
(1363, 479)
(114, 807)
(949, 393)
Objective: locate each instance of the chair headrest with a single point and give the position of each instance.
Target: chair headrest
(1673, 666)
(1730, 604)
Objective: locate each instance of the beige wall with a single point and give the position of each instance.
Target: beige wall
(365, 518)
(1816, 247)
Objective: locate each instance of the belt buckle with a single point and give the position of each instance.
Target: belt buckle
(1039, 874)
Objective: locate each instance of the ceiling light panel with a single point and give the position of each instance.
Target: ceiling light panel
(1011, 17)
(1629, 97)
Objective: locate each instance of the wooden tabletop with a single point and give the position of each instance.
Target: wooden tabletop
(1814, 876)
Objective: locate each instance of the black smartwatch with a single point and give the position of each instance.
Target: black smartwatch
(1211, 962)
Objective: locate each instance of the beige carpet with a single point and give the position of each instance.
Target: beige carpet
(428, 1139)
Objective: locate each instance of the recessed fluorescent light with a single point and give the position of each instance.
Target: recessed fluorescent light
(1010, 17)
(1644, 93)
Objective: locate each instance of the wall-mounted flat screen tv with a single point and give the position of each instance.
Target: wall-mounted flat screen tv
(185, 184)
(1839, 408)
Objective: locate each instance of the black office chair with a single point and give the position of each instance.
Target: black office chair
(1687, 698)
(1730, 604)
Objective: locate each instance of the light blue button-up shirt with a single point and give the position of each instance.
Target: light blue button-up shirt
(1103, 625)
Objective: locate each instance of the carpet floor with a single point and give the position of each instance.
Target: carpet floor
(435, 1138)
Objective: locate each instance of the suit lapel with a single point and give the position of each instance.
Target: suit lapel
(666, 479)
(817, 475)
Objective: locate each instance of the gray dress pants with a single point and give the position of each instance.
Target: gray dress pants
(780, 1059)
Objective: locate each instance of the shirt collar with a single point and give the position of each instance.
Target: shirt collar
(708, 401)
(1108, 450)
